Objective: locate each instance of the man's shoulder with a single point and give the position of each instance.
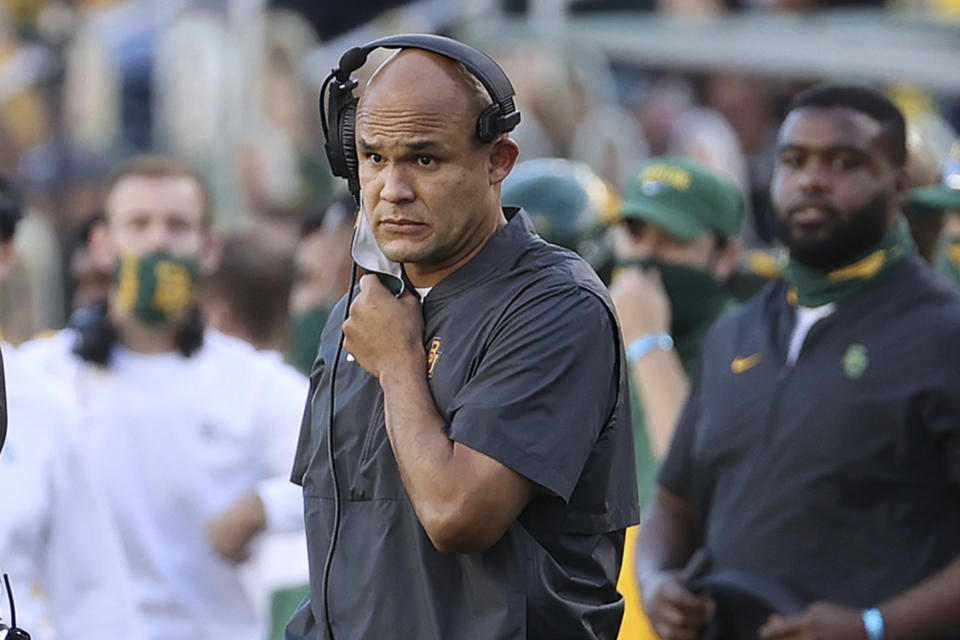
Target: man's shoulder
(755, 310)
(48, 349)
(231, 354)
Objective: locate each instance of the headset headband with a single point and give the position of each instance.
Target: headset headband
(338, 120)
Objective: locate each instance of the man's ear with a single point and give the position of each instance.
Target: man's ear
(210, 254)
(100, 247)
(503, 155)
(902, 181)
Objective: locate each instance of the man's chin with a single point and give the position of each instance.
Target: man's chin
(403, 252)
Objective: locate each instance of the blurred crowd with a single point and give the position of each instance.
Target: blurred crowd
(230, 88)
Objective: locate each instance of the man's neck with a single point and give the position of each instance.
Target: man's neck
(143, 338)
(421, 277)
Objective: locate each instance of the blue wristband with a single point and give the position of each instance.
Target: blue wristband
(645, 344)
(873, 623)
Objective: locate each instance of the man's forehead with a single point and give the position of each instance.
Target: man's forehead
(146, 192)
(415, 77)
(829, 127)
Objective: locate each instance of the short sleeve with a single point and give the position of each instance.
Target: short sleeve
(543, 389)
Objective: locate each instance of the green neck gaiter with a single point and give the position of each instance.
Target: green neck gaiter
(812, 287)
(305, 329)
(156, 288)
(696, 301)
(948, 259)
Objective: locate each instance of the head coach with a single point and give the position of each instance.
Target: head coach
(465, 455)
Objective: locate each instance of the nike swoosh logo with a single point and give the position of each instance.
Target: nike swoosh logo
(739, 365)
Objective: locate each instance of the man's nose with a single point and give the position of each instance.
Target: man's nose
(158, 239)
(396, 185)
(814, 176)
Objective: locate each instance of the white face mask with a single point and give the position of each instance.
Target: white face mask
(369, 257)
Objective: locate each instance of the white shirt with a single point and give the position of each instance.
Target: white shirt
(57, 541)
(806, 318)
(174, 441)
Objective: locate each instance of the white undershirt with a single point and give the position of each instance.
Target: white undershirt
(423, 292)
(806, 318)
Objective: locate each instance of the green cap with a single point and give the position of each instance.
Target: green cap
(684, 199)
(938, 198)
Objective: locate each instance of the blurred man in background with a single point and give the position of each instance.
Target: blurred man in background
(819, 453)
(939, 205)
(190, 432)
(322, 265)
(57, 540)
(675, 249)
(247, 294)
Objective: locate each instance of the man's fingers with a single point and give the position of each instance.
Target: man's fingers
(674, 632)
(370, 283)
(778, 627)
(677, 594)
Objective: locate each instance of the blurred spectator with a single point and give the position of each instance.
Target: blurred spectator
(611, 141)
(676, 247)
(248, 293)
(569, 204)
(926, 222)
(191, 432)
(941, 203)
(322, 264)
(90, 268)
(57, 540)
(811, 414)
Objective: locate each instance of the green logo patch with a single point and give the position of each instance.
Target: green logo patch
(855, 360)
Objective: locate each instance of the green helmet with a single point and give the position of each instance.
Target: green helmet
(569, 204)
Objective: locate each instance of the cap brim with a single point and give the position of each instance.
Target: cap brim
(931, 200)
(667, 218)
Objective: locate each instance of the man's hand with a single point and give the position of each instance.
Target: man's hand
(384, 331)
(820, 621)
(675, 612)
(233, 528)
(641, 301)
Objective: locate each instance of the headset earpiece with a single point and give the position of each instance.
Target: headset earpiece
(348, 144)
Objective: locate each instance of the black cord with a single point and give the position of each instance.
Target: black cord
(13, 609)
(335, 534)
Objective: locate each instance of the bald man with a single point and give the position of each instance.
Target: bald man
(480, 421)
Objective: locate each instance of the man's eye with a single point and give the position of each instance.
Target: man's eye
(424, 161)
(375, 158)
(791, 160)
(844, 163)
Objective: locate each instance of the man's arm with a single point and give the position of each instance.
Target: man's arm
(930, 609)
(644, 309)
(667, 539)
(464, 499)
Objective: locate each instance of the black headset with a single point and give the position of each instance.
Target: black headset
(338, 118)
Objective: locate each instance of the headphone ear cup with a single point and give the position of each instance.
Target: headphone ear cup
(347, 132)
(487, 127)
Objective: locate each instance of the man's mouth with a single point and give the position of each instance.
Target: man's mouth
(809, 215)
(401, 225)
